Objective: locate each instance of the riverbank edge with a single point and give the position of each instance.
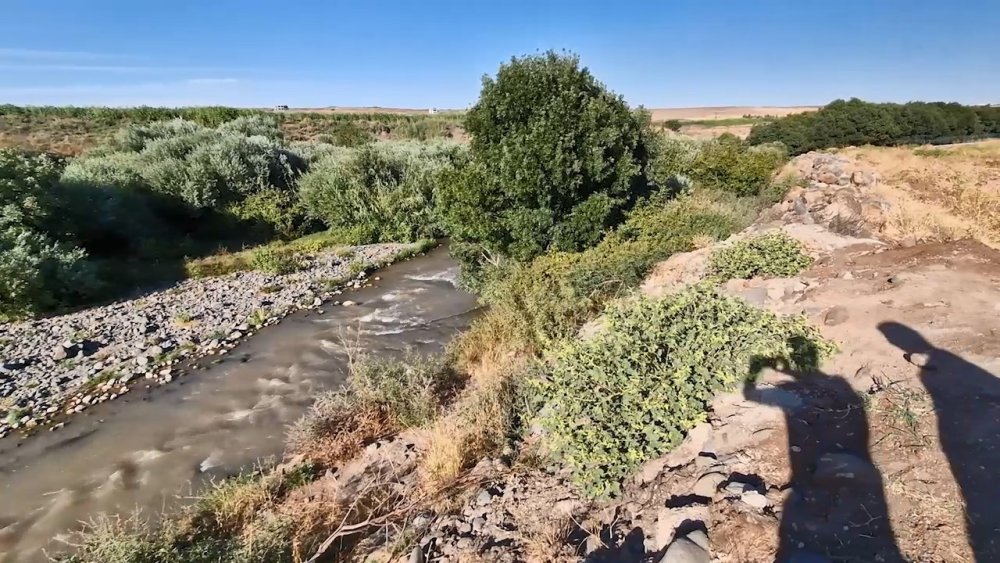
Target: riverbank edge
(181, 361)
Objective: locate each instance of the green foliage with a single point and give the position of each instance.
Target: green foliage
(401, 393)
(555, 160)
(632, 391)
(382, 192)
(201, 168)
(770, 255)
(726, 163)
(37, 274)
(854, 122)
(410, 391)
(274, 260)
(554, 294)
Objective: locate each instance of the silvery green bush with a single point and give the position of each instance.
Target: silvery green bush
(382, 191)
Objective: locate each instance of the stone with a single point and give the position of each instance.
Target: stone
(669, 519)
(735, 489)
(836, 315)
(755, 500)
(349, 303)
(847, 275)
(478, 524)
(708, 484)
(859, 178)
(416, 556)
(812, 197)
(920, 359)
(64, 350)
(484, 498)
(684, 550)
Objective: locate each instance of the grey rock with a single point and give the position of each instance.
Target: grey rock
(484, 498)
(836, 315)
(478, 524)
(735, 489)
(684, 550)
(417, 555)
(61, 351)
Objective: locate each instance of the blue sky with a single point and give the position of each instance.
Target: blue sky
(432, 53)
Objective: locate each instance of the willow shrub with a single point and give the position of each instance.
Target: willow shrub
(631, 392)
(380, 192)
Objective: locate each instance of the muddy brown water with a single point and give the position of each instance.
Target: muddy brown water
(153, 450)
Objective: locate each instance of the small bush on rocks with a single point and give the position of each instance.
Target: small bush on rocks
(770, 255)
(631, 392)
(274, 261)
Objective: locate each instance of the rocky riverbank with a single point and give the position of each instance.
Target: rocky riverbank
(57, 366)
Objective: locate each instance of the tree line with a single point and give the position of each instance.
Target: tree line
(855, 122)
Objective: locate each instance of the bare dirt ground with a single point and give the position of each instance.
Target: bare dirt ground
(726, 112)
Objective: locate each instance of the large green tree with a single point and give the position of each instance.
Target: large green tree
(555, 159)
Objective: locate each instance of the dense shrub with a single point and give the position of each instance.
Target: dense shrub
(37, 274)
(854, 122)
(555, 159)
(551, 296)
(28, 196)
(771, 255)
(632, 391)
(726, 163)
(200, 167)
(382, 192)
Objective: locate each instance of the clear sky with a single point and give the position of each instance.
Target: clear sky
(410, 53)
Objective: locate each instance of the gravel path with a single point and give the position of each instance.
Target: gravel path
(60, 365)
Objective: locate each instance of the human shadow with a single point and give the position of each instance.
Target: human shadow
(966, 401)
(835, 507)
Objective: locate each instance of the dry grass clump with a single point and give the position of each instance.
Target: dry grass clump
(551, 541)
(381, 398)
(941, 193)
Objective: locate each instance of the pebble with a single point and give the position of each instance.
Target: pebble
(35, 368)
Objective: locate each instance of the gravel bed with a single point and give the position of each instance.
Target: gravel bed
(60, 365)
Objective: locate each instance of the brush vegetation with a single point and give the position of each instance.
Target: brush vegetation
(633, 391)
(562, 203)
(770, 255)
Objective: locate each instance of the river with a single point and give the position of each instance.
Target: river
(153, 450)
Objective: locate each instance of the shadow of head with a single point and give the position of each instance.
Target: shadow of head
(801, 357)
(904, 337)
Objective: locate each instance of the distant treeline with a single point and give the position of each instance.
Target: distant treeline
(855, 122)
